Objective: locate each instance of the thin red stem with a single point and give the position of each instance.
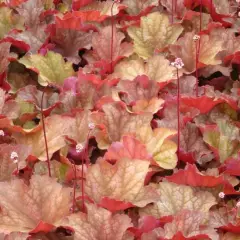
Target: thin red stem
(74, 187)
(45, 136)
(112, 22)
(201, 6)
(82, 185)
(196, 68)
(211, 9)
(198, 47)
(178, 112)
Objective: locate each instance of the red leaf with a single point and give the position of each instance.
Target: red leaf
(80, 3)
(192, 177)
(114, 205)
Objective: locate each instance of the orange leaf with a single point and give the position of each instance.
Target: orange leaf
(24, 207)
(123, 181)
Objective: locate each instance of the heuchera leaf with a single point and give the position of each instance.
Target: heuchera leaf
(7, 165)
(122, 181)
(4, 54)
(98, 224)
(192, 146)
(230, 236)
(188, 225)
(135, 7)
(8, 21)
(192, 177)
(129, 148)
(185, 48)
(157, 68)
(31, 40)
(105, 8)
(79, 131)
(179, 7)
(159, 146)
(181, 197)
(117, 121)
(155, 32)
(31, 11)
(57, 127)
(16, 236)
(225, 218)
(32, 95)
(224, 141)
(137, 89)
(191, 21)
(107, 45)
(51, 68)
(65, 37)
(24, 207)
(153, 105)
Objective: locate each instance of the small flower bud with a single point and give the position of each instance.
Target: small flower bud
(196, 38)
(221, 194)
(14, 157)
(91, 126)
(178, 63)
(79, 147)
(238, 204)
(2, 133)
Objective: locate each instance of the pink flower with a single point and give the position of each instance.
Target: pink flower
(178, 63)
(91, 126)
(79, 147)
(14, 157)
(221, 194)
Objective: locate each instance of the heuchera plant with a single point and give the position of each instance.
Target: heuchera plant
(119, 120)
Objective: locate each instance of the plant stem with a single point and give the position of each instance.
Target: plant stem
(45, 136)
(211, 9)
(82, 185)
(198, 47)
(112, 25)
(74, 187)
(196, 73)
(178, 113)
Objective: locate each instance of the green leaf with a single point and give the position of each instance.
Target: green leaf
(52, 68)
